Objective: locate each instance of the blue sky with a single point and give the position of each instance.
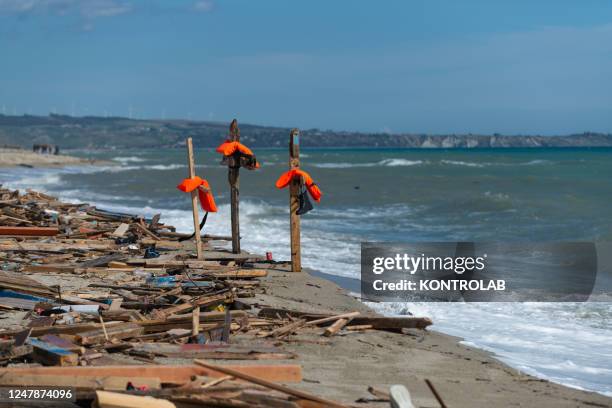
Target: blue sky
(436, 66)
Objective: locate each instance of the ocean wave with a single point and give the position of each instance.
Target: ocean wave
(382, 163)
(536, 162)
(128, 159)
(123, 168)
(164, 167)
(462, 163)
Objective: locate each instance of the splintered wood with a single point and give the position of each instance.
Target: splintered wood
(104, 289)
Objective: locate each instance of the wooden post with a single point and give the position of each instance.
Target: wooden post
(234, 181)
(194, 201)
(294, 203)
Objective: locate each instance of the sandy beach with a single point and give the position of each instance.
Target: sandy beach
(342, 368)
(25, 158)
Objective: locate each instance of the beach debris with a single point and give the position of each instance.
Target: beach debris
(100, 314)
(435, 393)
(400, 397)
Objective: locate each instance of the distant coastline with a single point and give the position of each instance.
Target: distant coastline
(17, 157)
(117, 132)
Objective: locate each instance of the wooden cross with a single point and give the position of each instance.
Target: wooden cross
(233, 163)
(294, 203)
(194, 201)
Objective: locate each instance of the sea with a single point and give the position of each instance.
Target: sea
(412, 195)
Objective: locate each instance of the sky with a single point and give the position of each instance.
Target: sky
(418, 66)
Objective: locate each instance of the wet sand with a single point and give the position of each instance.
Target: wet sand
(344, 366)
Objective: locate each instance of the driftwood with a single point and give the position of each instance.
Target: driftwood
(377, 322)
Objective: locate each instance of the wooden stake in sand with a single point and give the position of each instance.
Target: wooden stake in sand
(194, 201)
(294, 202)
(233, 177)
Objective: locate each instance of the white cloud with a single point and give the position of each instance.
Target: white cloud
(204, 6)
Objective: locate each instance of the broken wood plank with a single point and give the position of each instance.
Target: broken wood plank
(345, 316)
(335, 328)
(214, 351)
(239, 274)
(377, 322)
(102, 260)
(171, 374)
(50, 268)
(120, 331)
(107, 399)
(29, 231)
(114, 382)
(15, 353)
(120, 230)
(287, 329)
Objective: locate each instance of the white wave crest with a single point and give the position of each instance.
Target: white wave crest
(382, 163)
(462, 163)
(128, 159)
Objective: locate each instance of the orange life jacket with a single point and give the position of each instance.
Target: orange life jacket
(228, 148)
(207, 201)
(285, 178)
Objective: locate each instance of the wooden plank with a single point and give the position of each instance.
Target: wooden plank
(102, 260)
(50, 268)
(120, 331)
(287, 329)
(195, 321)
(350, 315)
(175, 374)
(15, 352)
(114, 382)
(377, 322)
(335, 328)
(120, 230)
(203, 301)
(50, 354)
(106, 399)
(218, 351)
(55, 247)
(22, 284)
(29, 231)
(240, 274)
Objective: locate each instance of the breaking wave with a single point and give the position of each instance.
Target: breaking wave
(385, 162)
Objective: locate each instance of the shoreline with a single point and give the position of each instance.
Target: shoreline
(464, 376)
(353, 285)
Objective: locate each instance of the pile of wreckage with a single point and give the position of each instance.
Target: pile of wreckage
(124, 303)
